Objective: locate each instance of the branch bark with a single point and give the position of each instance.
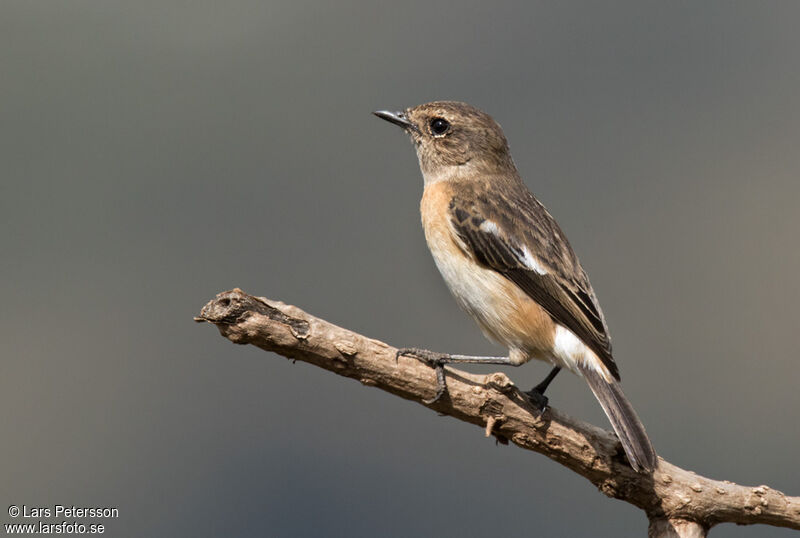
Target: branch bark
(678, 503)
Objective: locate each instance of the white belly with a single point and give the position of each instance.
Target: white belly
(480, 292)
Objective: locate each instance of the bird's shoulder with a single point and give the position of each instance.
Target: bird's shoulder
(505, 206)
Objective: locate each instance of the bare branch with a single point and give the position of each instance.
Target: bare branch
(677, 502)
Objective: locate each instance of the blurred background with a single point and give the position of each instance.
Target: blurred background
(156, 153)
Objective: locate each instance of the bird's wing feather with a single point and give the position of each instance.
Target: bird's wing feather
(512, 233)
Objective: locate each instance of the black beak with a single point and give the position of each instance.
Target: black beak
(398, 118)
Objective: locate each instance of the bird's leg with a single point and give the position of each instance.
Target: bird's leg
(432, 358)
(536, 394)
(438, 360)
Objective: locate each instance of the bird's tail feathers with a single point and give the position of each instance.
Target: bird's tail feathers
(630, 430)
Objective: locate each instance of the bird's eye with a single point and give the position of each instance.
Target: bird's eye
(439, 126)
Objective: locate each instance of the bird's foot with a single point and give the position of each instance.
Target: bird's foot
(536, 394)
(431, 358)
(538, 399)
(434, 360)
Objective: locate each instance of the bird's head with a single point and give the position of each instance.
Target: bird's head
(452, 138)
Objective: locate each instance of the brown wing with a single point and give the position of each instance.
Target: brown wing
(514, 234)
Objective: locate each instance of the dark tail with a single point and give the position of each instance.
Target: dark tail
(624, 419)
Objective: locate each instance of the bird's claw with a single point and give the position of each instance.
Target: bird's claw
(432, 359)
(538, 400)
(441, 385)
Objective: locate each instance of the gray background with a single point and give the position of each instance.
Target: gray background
(155, 153)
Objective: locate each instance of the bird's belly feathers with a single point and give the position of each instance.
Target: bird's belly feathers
(476, 291)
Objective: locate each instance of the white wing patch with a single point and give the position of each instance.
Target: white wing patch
(531, 262)
(489, 227)
(528, 259)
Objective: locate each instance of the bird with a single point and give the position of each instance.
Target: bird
(509, 265)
